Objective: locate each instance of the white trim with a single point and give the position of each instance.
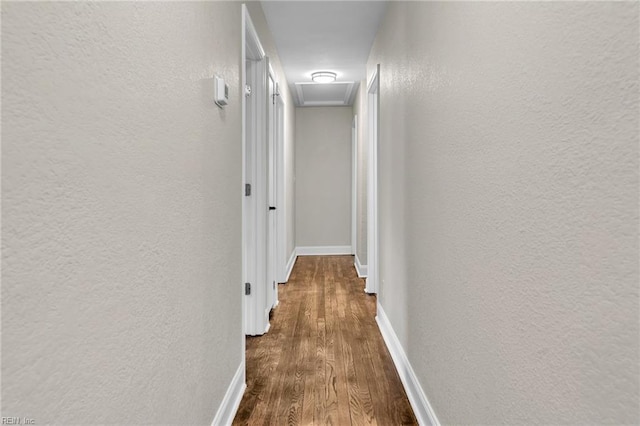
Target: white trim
(322, 103)
(349, 92)
(354, 184)
(419, 402)
(231, 401)
(322, 250)
(272, 235)
(254, 132)
(360, 268)
(290, 263)
(373, 92)
(244, 204)
(281, 203)
(252, 44)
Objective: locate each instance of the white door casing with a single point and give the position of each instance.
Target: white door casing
(272, 234)
(354, 182)
(254, 205)
(281, 212)
(372, 196)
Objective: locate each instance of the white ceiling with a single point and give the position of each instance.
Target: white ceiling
(324, 36)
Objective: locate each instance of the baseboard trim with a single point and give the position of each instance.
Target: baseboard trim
(290, 263)
(231, 401)
(361, 269)
(419, 402)
(322, 250)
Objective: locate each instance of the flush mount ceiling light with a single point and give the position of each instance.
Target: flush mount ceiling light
(323, 77)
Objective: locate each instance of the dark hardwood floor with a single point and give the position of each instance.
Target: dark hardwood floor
(323, 361)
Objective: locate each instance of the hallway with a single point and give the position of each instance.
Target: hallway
(323, 360)
(165, 164)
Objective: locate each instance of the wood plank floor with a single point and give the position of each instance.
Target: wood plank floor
(323, 361)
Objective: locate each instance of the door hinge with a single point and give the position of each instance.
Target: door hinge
(247, 189)
(247, 288)
(274, 285)
(247, 90)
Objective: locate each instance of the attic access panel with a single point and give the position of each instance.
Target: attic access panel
(326, 94)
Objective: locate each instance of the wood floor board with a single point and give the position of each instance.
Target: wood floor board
(323, 362)
(290, 372)
(337, 412)
(316, 342)
(357, 341)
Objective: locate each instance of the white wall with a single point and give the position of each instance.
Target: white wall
(290, 176)
(262, 28)
(360, 109)
(509, 206)
(121, 227)
(323, 176)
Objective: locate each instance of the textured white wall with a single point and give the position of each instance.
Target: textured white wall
(323, 176)
(121, 209)
(262, 28)
(509, 206)
(290, 172)
(360, 109)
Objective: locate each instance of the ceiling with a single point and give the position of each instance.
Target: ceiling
(324, 36)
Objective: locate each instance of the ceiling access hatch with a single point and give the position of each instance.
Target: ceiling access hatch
(326, 94)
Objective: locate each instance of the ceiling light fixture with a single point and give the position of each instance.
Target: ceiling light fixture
(323, 77)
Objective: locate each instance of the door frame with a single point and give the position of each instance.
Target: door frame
(354, 182)
(281, 212)
(373, 119)
(272, 194)
(254, 110)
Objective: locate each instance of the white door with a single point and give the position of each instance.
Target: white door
(272, 158)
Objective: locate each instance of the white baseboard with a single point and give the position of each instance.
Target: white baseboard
(419, 402)
(290, 263)
(231, 401)
(361, 269)
(322, 250)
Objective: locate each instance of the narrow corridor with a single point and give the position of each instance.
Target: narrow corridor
(323, 360)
